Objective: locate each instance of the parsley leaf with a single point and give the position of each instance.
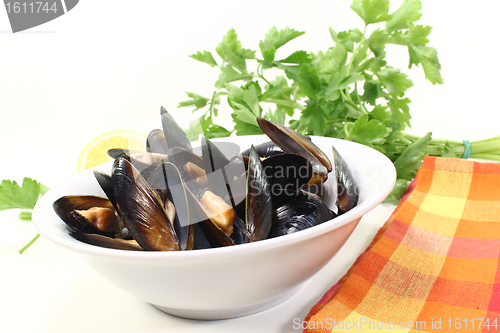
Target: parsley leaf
(205, 57)
(196, 100)
(24, 197)
(411, 158)
(409, 11)
(366, 131)
(275, 39)
(14, 196)
(395, 81)
(231, 52)
(372, 11)
(229, 74)
(427, 56)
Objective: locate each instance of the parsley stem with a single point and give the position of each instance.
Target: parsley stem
(261, 73)
(480, 149)
(29, 244)
(493, 157)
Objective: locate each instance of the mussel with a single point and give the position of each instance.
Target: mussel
(90, 214)
(171, 198)
(303, 212)
(293, 142)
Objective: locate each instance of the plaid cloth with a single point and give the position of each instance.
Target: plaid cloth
(433, 267)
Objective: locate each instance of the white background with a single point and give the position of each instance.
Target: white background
(111, 64)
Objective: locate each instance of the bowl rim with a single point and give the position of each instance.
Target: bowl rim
(43, 223)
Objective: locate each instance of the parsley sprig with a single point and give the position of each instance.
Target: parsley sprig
(347, 91)
(13, 196)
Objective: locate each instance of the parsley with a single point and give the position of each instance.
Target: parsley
(347, 91)
(24, 197)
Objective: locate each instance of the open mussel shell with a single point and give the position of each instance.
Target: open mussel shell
(264, 150)
(146, 163)
(347, 192)
(221, 171)
(215, 236)
(141, 209)
(301, 213)
(293, 142)
(258, 210)
(189, 164)
(156, 142)
(167, 179)
(181, 156)
(286, 174)
(90, 214)
(174, 134)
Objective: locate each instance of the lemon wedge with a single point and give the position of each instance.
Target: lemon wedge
(96, 151)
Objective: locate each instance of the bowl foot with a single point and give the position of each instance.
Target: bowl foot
(228, 313)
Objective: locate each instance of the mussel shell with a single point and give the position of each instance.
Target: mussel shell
(174, 134)
(287, 172)
(156, 142)
(103, 241)
(265, 150)
(347, 192)
(293, 142)
(146, 163)
(180, 157)
(299, 214)
(215, 236)
(141, 209)
(121, 152)
(106, 184)
(219, 170)
(238, 191)
(258, 210)
(65, 208)
(168, 179)
(200, 239)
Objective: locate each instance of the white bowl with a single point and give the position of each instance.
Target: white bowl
(230, 281)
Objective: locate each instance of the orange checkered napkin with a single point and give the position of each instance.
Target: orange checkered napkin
(433, 267)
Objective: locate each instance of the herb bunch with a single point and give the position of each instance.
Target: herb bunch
(347, 91)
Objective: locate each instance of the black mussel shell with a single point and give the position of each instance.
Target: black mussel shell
(121, 152)
(258, 210)
(213, 233)
(238, 191)
(200, 239)
(304, 212)
(287, 174)
(167, 179)
(220, 172)
(180, 156)
(295, 143)
(106, 184)
(174, 134)
(156, 142)
(264, 150)
(103, 241)
(347, 192)
(146, 163)
(68, 207)
(141, 209)
(186, 161)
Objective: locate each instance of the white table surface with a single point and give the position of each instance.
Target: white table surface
(111, 64)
